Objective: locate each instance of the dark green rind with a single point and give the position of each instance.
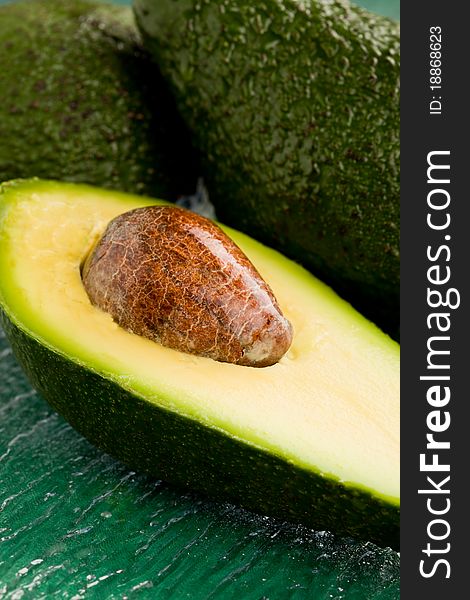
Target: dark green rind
(80, 101)
(295, 107)
(188, 454)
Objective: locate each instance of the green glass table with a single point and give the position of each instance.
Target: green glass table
(74, 523)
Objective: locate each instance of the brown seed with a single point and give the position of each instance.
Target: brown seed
(175, 277)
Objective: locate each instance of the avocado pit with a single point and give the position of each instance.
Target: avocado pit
(176, 278)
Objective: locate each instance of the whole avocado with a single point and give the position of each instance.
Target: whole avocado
(294, 105)
(80, 101)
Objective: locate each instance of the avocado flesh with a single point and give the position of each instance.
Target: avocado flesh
(314, 438)
(82, 101)
(294, 106)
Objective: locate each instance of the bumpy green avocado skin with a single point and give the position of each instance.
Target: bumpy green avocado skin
(295, 107)
(81, 101)
(172, 447)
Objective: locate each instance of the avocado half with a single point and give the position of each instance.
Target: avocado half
(313, 438)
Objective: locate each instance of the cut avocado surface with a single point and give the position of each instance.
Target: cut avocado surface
(313, 438)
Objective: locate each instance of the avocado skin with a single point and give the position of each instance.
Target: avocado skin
(190, 455)
(295, 108)
(81, 101)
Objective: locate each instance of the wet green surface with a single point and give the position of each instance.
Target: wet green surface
(74, 523)
(388, 8)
